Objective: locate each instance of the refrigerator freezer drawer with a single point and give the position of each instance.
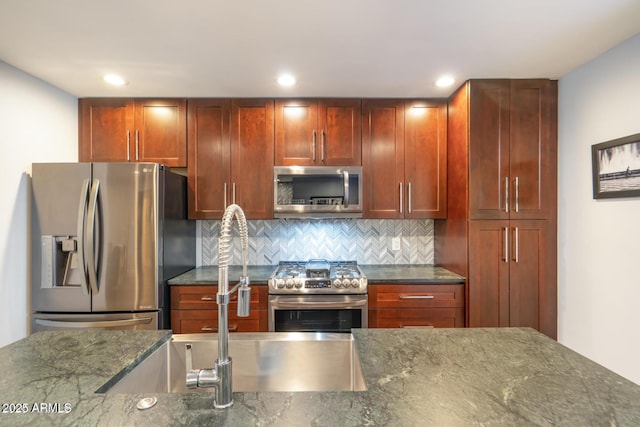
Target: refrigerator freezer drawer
(112, 321)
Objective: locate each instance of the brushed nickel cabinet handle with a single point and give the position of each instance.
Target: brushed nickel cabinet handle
(516, 244)
(313, 145)
(506, 194)
(137, 145)
(401, 193)
(416, 326)
(233, 193)
(517, 207)
(207, 298)
(232, 328)
(417, 297)
(409, 197)
(224, 196)
(128, 145)
(324, 144)
(506, 245)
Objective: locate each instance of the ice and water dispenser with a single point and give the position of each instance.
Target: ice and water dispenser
(60, 263)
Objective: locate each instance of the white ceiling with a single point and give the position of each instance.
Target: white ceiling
(342, 48)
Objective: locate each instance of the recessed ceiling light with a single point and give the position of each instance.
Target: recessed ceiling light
(444, 81)
(286, 80)
(114, 79)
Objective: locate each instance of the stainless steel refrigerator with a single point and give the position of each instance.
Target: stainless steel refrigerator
(105, 238)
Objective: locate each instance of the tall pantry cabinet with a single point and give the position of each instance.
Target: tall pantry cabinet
(500, 230)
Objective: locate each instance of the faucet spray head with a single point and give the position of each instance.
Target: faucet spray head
(244, 297)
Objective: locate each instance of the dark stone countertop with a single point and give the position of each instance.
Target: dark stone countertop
(409, 274)
(208, 275)
(435, 377)
(259, 274)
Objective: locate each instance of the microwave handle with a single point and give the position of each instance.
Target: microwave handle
(345, 177)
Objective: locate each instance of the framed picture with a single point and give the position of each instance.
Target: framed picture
(616, 168)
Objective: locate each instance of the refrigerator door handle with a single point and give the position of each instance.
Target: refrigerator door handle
(98, 324)
(91, 234)
(82, 216)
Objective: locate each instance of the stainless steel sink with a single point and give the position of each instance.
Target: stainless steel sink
(279, 361)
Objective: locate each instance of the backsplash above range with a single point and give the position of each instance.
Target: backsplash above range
(368, 241)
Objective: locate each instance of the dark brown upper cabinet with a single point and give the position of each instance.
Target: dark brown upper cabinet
(230, 157)
(318, 132)
(404, 145)
(511, 149)
(133, 130)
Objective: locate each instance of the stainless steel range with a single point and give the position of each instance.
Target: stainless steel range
(318, 277)
(317, 296)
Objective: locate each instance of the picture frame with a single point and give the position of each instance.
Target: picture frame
(616, 168)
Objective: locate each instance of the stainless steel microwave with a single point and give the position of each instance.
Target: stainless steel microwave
(317, 191)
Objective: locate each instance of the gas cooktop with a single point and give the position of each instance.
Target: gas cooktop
(318, 276)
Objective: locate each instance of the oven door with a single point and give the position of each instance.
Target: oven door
(317, 313)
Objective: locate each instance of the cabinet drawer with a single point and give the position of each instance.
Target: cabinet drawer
(416, 296)
(411, 317)
(196, 321)
(204, 298)
(194, 326)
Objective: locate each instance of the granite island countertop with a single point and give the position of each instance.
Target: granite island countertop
(439, 377)
(389, 274)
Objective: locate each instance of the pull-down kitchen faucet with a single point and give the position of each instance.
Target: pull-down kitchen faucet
(219, 376)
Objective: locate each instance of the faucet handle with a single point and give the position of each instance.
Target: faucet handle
(192, 375)
(188, 357)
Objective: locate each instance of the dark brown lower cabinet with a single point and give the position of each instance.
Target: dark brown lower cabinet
(413, 306)
(512, 274)
(194, 310)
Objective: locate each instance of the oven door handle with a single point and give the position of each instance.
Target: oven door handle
(320, 304)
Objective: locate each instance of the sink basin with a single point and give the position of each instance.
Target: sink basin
(280, 361)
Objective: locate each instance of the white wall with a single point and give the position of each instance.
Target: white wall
(38, 123)
(599, 241)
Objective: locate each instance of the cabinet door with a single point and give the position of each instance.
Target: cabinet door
(209, 166)
(489, 149)
(425, 160)
(296, 139)
(383, 158)
(106, 126)
(339, 130)
(161, 134)
(252, 154)
(488, 281)
(532, 155)
(532, 299)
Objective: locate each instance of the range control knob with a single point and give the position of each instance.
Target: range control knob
(289, 283)
(298, 283)
(346, 283)
(337, 283)
(355, 283)
(279, 283)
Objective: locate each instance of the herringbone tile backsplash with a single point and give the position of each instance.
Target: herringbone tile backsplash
(368, 241)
